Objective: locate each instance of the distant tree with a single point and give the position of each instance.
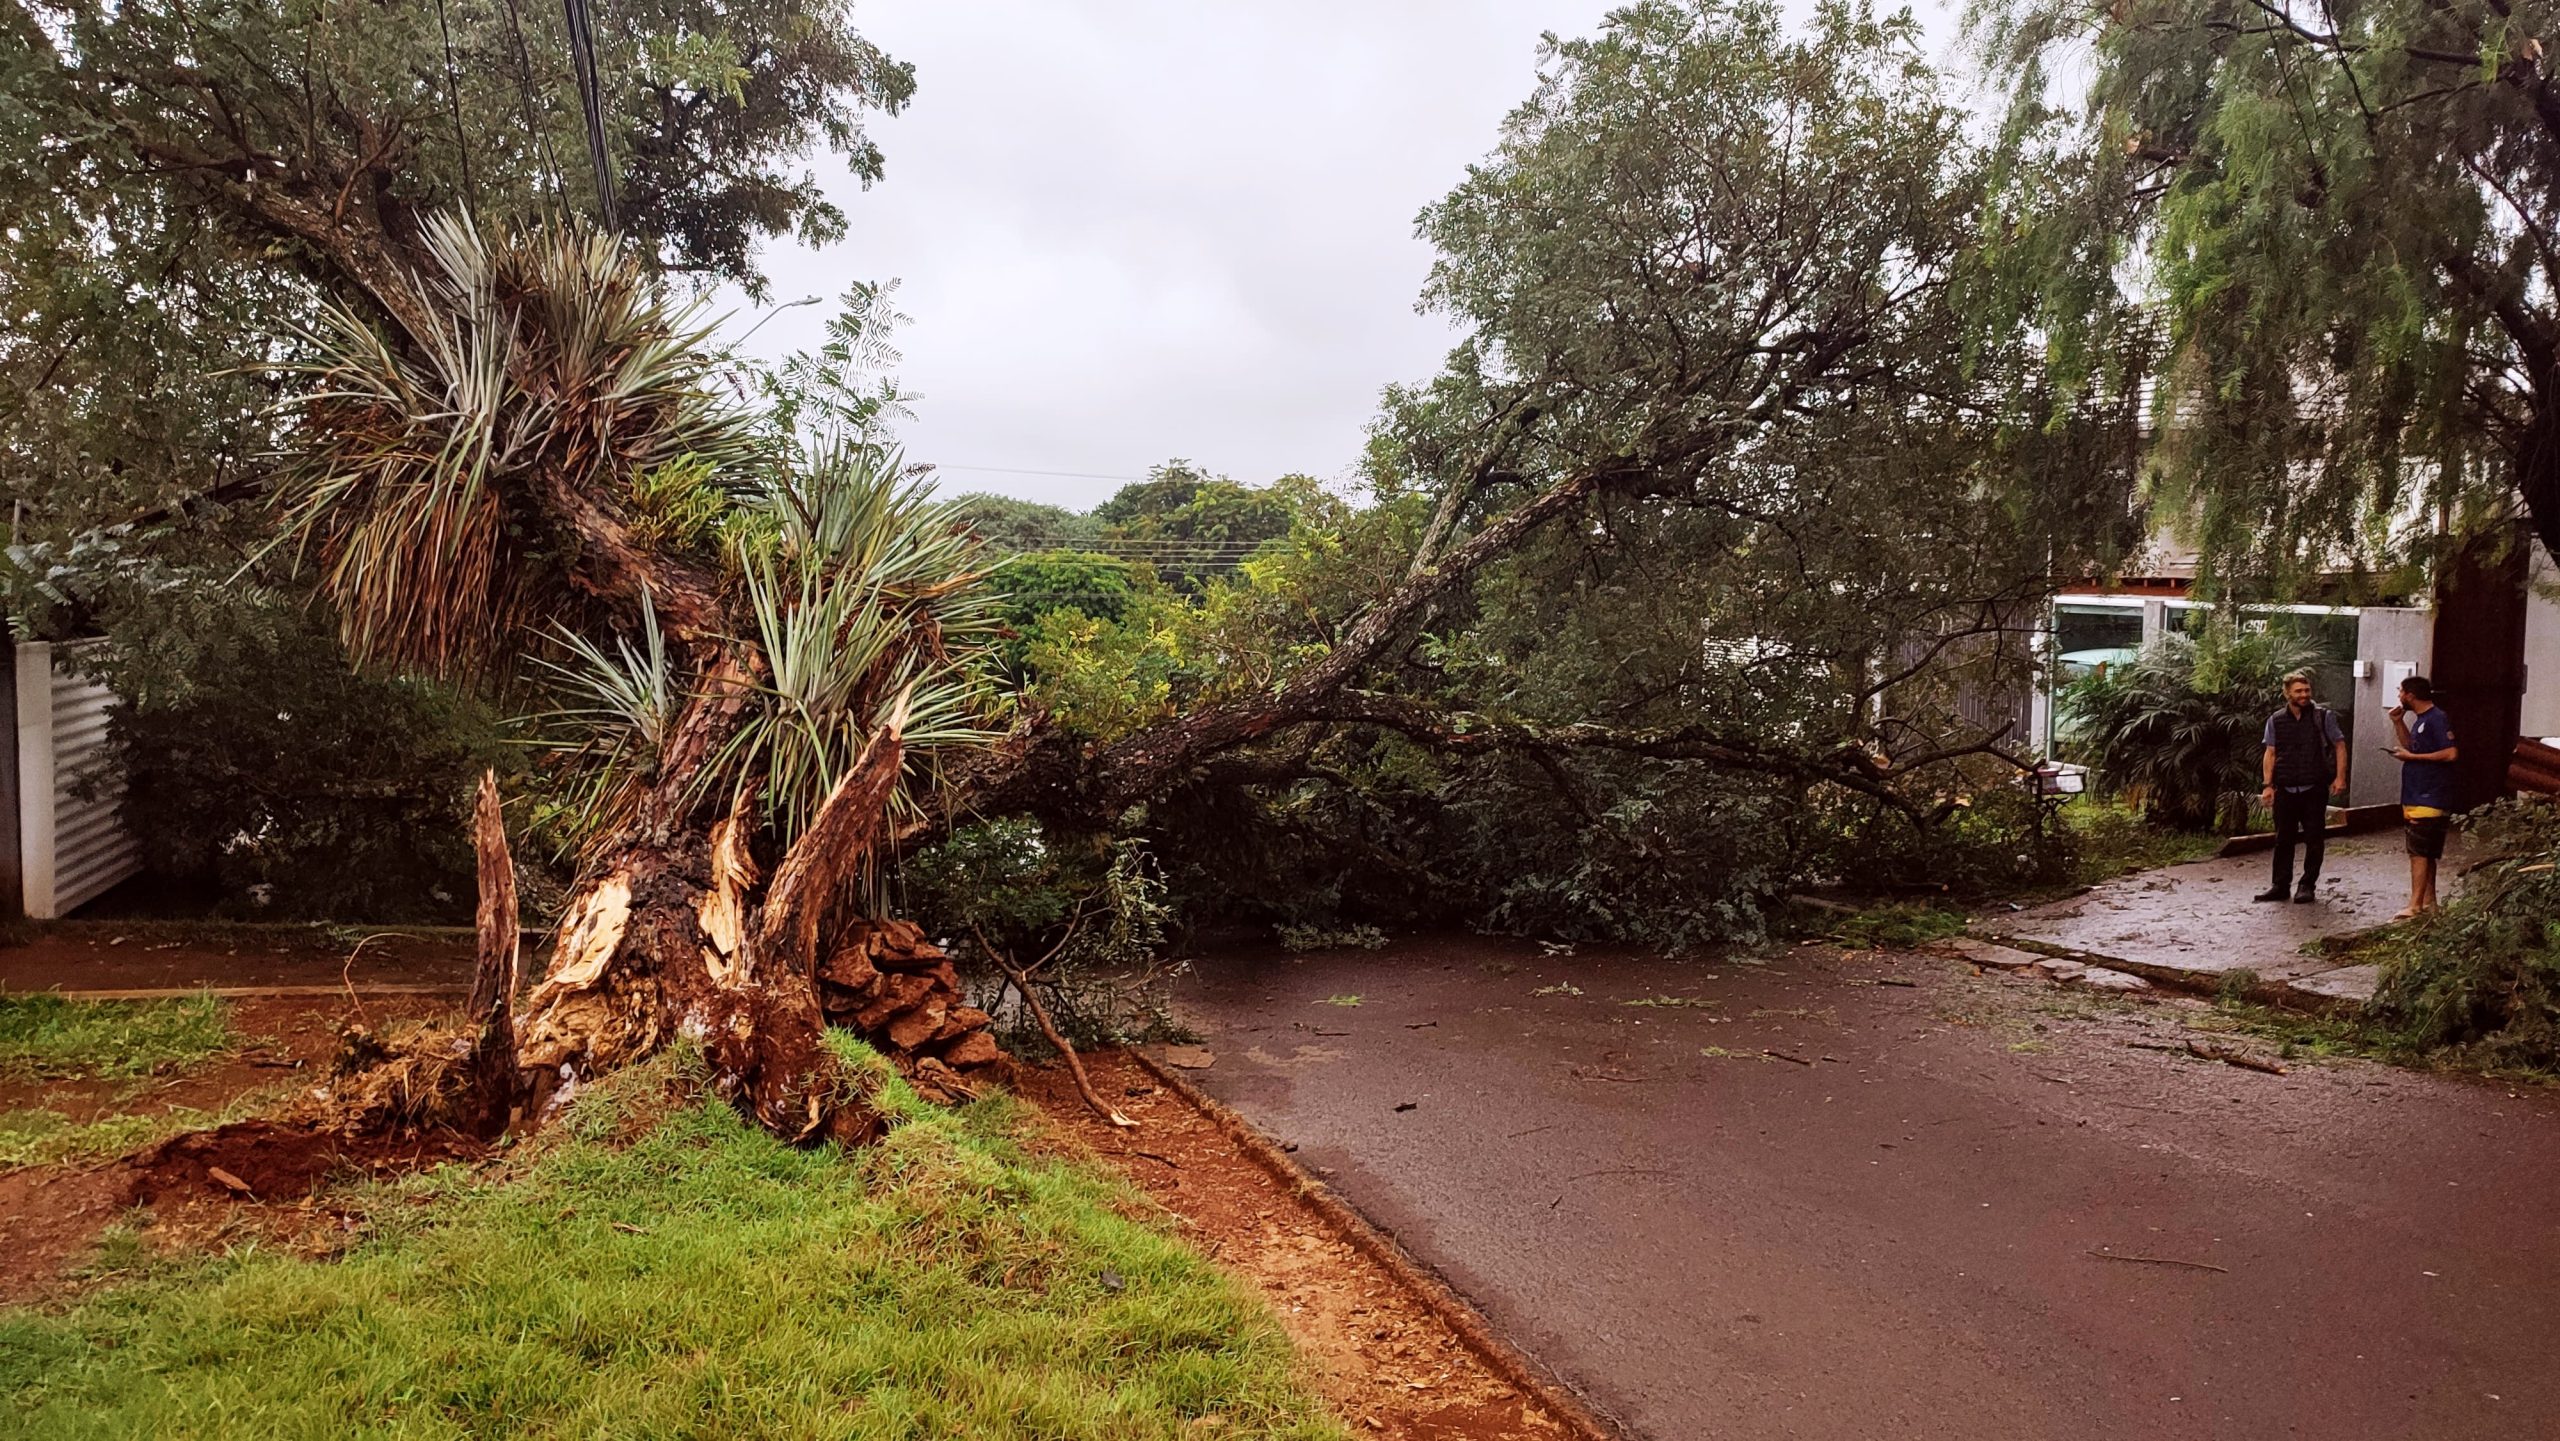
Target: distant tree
(2343, 223)
(1191, 525)
(1012, 526)
(1032, 585)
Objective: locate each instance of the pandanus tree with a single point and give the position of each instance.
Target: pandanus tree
(763, 641)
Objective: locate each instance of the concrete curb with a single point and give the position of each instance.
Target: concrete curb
(1506, 1360)
(2354, 821)
(2278, 993)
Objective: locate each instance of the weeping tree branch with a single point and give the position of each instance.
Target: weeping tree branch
(1132, 769)
(1465, 733)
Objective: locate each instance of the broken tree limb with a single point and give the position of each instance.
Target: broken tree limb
(2230, 1057)
(493, 1082)
(1040, 1016)
(2162, 1261)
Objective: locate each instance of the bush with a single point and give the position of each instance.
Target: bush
(258, 764)
(2176, 730)
(2483, 972)
(1087, 922)
(1998, 841)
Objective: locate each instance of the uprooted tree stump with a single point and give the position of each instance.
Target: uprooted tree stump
(682, 935)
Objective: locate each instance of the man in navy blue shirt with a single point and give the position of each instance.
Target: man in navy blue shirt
(2304, 759)
(2426, 754)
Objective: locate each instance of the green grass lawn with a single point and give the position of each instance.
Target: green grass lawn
(701, 1280)
(46, 1038)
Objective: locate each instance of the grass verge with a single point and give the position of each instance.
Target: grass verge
(40, 1137)
(698, 1279)
(47, 1038)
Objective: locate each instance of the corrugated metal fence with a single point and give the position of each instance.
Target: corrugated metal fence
(71, 843)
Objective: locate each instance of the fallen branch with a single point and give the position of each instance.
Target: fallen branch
(2230, 1057)
(1040, 1016)
(2163, 1261)
(1783, 1056)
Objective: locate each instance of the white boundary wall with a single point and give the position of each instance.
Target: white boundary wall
(2541, 715)
(71, 847)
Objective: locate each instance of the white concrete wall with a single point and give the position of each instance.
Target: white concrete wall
(2542, 649)
(2392, 644)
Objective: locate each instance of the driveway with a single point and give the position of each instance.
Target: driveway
(1804, 1199)
(2196, 922)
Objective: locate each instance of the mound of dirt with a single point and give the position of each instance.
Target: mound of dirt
(279, 1161)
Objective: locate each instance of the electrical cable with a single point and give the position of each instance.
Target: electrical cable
(453, 100)
(582, 51)
(532, 120)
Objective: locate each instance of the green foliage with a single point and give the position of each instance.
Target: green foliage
(1897, 927)
(1332, 938)
(1029, 586)
(2329, 236)
(259, 764)
(2481, 975)
(1999, 841)
(1015, 527)
(703, 1279)
(2177, 730)
(1191, 525)
(46, 1038)
(1086, 922)
(841, 391)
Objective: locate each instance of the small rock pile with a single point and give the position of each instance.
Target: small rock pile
(899, 991)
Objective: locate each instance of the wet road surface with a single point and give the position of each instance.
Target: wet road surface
(1895, 1240)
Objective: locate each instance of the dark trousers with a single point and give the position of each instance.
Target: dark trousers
(2301, 816)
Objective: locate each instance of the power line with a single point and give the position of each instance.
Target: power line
(1016, 470)
(582, 52)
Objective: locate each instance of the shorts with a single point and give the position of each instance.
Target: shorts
(2426, 836)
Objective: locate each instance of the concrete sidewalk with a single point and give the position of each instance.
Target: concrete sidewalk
(2193, 924)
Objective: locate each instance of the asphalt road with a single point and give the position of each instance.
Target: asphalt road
(1896, 1240)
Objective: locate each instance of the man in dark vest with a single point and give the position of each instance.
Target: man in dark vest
(2305, 760)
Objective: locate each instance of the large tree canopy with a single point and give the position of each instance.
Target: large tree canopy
(2344, 222)
(182, 184)
(1695, 535)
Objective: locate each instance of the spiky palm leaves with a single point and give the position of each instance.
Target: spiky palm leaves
(555, 470)
(859, 589)
(508, 473)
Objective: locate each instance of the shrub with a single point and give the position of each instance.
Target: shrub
(1997, 841)
(2176, 730)
(1087, 922)
(257, 763)
(2483, 972)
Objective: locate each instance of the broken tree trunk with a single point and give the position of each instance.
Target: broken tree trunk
(492, 1086)
(675, 933)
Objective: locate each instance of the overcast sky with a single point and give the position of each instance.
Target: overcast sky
(1129, 230)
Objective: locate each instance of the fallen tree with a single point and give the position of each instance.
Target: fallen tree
(795, 620)
(777, 641)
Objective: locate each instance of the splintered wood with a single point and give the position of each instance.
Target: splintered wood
(885, 980)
